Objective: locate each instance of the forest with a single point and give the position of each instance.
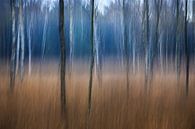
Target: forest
(97, 64)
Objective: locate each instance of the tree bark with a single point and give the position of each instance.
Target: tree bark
(44, 38)
(178, 55)
(13, 53)
(126, 48)
(62, 57)
(187, 48)
(158, 6)
(145, 36)
(71, 32)
(29, 44)
(22, 41)
(91, 65)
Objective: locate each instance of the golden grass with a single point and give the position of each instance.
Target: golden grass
(35, 103)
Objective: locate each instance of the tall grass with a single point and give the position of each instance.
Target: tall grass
(35, 103)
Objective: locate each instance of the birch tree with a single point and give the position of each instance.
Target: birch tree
(158, 8)
(146, 35)
(44, 38)
(20, 42)
(30, 22)
(71, 33)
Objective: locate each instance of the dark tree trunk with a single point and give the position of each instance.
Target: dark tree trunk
(62, 57)
(91, 65)
(158, 7)
(187, 48)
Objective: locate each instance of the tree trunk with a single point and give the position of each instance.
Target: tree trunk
(22, 41)
(178, 55)
(126, 47)
(98, 70)
(187, 48)
(29, 44)
(13, 53)
(71, 32)
(145, 36)
(91, 65)
(44, 38)
(62, 57)
(18, 49)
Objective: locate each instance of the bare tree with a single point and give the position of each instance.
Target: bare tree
(44, 38)
(146, 36)
(71, 33)
(177, 41)
(18, 50)
(187, 48)
(29, 43)
(92, 64)
(97, 47)
(20, 42)
(63, 57)
(158, 8)
(126, 46)
(13, 53)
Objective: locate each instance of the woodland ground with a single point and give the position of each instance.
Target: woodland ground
(35, 103)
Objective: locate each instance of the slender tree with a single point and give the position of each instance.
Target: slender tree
(126, 46)
(98, 51)
(71, 33)
(20, 42)
(18, 50)
(158, 8)
(92, 63)
(44, 38)
(13, 53)
(145, 36)
(187, 53)
(29, 44)
(62, 57)
(177, 42)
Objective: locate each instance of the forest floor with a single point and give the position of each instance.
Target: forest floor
(35, 102)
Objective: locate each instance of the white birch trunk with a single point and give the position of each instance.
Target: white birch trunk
(22, 40)
(71, 32)
(44, 38)
(29, 45)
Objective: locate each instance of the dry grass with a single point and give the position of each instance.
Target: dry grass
(35, 102)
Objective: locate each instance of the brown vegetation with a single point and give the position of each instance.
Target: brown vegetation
(35, 103)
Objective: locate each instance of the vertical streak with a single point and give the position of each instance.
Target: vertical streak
(71, 32)
(62, 57)
(18, 49)
(186, 48)
(13, 53)
(92, 64)
(44, 35)
(126, 47)
(22, 40)
(29, 44)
